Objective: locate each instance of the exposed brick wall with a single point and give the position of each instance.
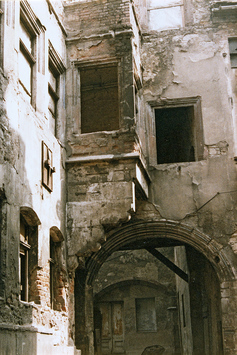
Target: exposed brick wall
(96, 17)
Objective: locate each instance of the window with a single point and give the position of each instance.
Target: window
(165, 14)
(56, 68)
(24, 258)
(1, 32)
(47, 167)
(28, 258)
(29, 29)
(179, 132)
(233, 52)
(99, 98)
(146, 315)
(52, 271)
(57, 300)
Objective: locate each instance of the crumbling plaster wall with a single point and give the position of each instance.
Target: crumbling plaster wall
(22, 131)
(189, 62)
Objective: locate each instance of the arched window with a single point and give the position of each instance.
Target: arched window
(28, 258)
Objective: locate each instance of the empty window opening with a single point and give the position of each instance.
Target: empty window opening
(99, 99)
(175, 135)
(146, 315)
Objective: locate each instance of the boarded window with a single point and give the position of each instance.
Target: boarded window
(146, 315)
(179, 134)
(99, 99)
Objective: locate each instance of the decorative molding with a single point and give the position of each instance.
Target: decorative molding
(56, 60)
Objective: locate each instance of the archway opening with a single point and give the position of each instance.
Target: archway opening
(142, 303)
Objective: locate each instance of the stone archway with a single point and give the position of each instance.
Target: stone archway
(220, 257)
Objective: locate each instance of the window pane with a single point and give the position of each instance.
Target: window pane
(164, 19)
(25, 72)
(26, 37)
(52, 105)
(53, 81)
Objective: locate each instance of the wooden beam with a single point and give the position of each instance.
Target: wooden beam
(168, 263)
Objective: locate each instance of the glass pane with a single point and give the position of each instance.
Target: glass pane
(53, 81)
(26, 37)
(52, 105)
(25, 72)
(164, 19)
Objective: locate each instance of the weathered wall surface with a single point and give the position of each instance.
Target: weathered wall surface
(23, 128)
(130, 275)
(178, 64)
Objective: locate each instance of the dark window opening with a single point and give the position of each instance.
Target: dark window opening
(99, 99)
(175, 135)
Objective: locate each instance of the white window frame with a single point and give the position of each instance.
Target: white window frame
(159, 8)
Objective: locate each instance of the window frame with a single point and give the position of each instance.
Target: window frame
(47, 167)
(31, 24)
(177, 4)
(24, 260)
(198, 132)
(99, 65)
(233, 51)
(56, 67)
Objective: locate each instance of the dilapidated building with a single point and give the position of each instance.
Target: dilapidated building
(118, 182)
